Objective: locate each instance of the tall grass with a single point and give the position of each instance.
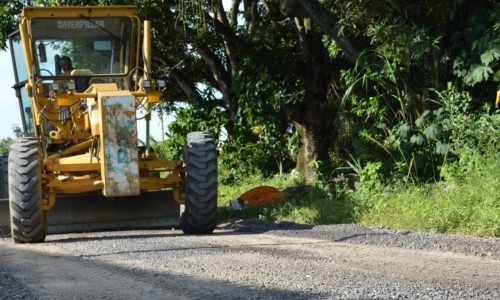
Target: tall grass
(471, 209)
(467, 202)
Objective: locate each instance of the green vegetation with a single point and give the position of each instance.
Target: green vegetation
(470, 208)
(468, 204)
(460, 197)
(5, 142)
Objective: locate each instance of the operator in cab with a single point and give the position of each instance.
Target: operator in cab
(66, 65)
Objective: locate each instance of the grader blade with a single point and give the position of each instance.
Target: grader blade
(94, 212)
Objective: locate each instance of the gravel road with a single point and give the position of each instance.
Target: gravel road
(252, 260)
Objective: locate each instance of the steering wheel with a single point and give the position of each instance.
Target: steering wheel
(45, 70)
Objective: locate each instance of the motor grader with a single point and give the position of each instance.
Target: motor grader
(79, 165)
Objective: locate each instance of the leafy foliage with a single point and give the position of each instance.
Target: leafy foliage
(8, 11)
(5, 144)
(412, 145)
(466, 126)
(480, 62)
(189, 119)
(261, 149)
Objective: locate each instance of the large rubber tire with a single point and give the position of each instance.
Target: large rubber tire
(27, 219)
(200, 160)
(4, 175)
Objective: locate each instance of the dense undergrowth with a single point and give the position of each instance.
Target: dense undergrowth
(467, 204)
(441, 173)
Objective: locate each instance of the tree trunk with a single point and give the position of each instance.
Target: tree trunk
(315, 135)
(313, 119)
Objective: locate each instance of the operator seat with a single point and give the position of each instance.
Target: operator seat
(82, 79)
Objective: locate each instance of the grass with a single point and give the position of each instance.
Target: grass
(301, 204)
(228, 192)
(446, 208)
(468, 204)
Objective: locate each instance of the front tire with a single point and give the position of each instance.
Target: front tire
(27, 219)
(200, 159)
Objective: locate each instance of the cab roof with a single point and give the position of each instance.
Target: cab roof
(32, 12)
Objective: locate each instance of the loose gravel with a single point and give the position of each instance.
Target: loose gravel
(252, 259)
(380, 236)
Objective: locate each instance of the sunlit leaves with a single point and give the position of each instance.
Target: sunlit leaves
(479, 62)
(478, 73)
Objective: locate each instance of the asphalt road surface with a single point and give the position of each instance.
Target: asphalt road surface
(252, 260)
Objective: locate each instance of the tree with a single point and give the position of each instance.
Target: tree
(18, 132)
(228, 54)
(8, 12)
(423, 43)
(5, 144)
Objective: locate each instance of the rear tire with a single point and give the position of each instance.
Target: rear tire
(200, 159)
(27, 219)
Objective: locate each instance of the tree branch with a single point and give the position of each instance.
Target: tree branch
(328, 22)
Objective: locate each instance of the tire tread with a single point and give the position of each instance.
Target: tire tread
(200, 158)
(28, 220)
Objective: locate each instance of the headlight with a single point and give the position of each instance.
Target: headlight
(71, 85)
(162, 83)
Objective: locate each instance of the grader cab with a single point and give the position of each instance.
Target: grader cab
(82, 73)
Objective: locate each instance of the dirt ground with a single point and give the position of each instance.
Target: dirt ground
(240, 262)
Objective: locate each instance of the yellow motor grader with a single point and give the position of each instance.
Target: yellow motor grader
(82, 75)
